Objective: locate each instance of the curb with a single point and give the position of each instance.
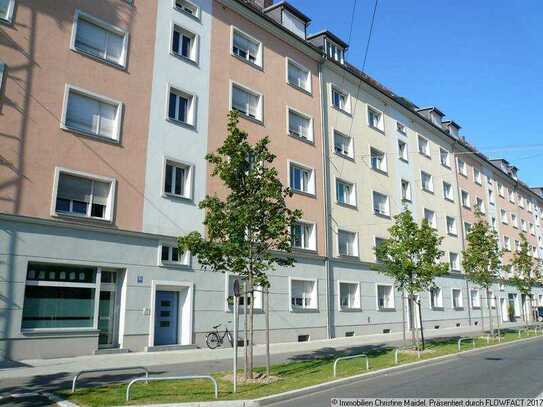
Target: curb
(275, 398)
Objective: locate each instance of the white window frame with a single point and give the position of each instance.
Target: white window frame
(433, 223)
(68, 88)
(462, 167)
(465, 203)
(447, 163)
(427, 151)
(9, 14)
(184, 259)
(460, 304)
(450, 196)
(301, 67)
(409, 191)
(381, 122)
(312, 238)
(514, 220)
(311, 182)
(378, 213)
(455, 267)
(351, 144)
(477, 297)
(310, 136)
(356, 250)
(3, 68)
(257, 294)
(401, 128)
(347, 108)
(431, 181)
(491, 197)
(195, 44)
(189, 178)
(259, 58)
(110, 207)
(480, 204)
(477, 176)
(393, 300)
(403, 150)
(453, 232)
(504, 217)
(195, 15)
(104, 25)
(191, 109)
(358, 303)
(439, 298)
(353, 196)
(501, 190)
(260, 108)
(384, 164)
(315, 294)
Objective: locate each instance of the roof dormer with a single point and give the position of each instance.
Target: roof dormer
(289, 17)
(452, 128)
(333, 46)
(433, 114)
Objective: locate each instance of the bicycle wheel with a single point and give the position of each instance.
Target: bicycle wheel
(230, 339)
(212, 340)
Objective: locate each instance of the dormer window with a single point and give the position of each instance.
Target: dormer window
(334, 51)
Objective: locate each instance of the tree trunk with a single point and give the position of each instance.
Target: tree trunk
(421, 327)
(412, 318)
(245, 326)
(403, 318)
(482, 315)
(489, 305)
(251, 324)
(268, 363)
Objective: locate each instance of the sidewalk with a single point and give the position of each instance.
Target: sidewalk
(41, 367)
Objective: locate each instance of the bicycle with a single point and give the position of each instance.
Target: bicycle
(214, 339)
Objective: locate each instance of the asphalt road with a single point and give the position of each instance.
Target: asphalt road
(514, 370)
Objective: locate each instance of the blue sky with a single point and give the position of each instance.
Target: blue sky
(479, 61)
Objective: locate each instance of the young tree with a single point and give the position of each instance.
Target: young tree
(482, 259)
(527, 272)
(410, 256)
(247, 231)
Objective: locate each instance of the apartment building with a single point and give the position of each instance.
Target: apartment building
(103, 138)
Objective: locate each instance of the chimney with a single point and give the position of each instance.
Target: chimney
(433, 114)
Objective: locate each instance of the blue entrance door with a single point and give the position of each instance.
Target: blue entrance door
(166, 306)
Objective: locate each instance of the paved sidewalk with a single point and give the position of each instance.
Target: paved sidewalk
(185, 358)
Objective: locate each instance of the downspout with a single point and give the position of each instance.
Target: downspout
(463, 239)
(327, 203)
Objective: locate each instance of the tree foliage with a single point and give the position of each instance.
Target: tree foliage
(526, 268)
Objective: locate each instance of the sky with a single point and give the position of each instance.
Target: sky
(479, 61)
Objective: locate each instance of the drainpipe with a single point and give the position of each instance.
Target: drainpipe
(459, 197)
(327, 204)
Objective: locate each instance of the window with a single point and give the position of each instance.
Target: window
(340, 100)
(406, 190)
(475, 299)
(347, 243)
(246, 102)
(302, 179)
(445, 158)
(503, 216)
(170, 255)
(181, 107)
(6, 10)
(532, 229)
(303, 236)
(427, 182)
(448, 191)
(501, 190)
(403, 153)
(436, 297)
(91, 114)
(465, 199)
(491, 198)
(517, 246)
(424, 146)
(299, 125)
(378, 160)
(524, 226)
(184, 44)
(385, 297)
(298, 76)
(345, 193)
(177, 179)
(303, 294)
(511, 196)
(334, 51)
(99, 39)
(457, 301)
(188, 7)
(521, 202)
(246, 47)
(462, 168)
(494, 224)
(375, 119)
(451, 226)
(257, 294)
(480, 205)
(514, 220)
(380, 204)
(430, 216)
(467, 228)
(83, 195)
(454, 261)
(507, 243)
(401, 128)
(2, 70)
(477, 176)
(59, 297)
(349, 295)
(343, 145)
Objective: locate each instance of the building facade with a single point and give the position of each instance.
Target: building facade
(103, 138)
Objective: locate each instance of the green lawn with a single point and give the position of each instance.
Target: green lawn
(293, 375)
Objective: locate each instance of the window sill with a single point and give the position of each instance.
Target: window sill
(304, 310)
(249, 118)
(341, 110)
(89, 219)
(451, 234)
(252, 64)
(174, 265)
(302, 139)
(380, 171)
(358, 309)
(385, 309)
(347, 157)
(466, 207)
(377, 129)
(458, 308)
(406, 161)
(448, 199)
(6, 21)
(428, 191)
(438, 309)
(187, 199)
(192, 16)
(347, 205)
(303, 193)
(230, 310)
(38, 331)
(425, 155)
(89, 134)
(303, 250)
(121, 67)
(348, 257)
(381, 215)
(307, 92)
(185, 59)
(446, 166)
(181, 124)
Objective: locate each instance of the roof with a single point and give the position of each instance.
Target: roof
(332, 36)
(431, 109)
(451, 123)
(289, 7)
